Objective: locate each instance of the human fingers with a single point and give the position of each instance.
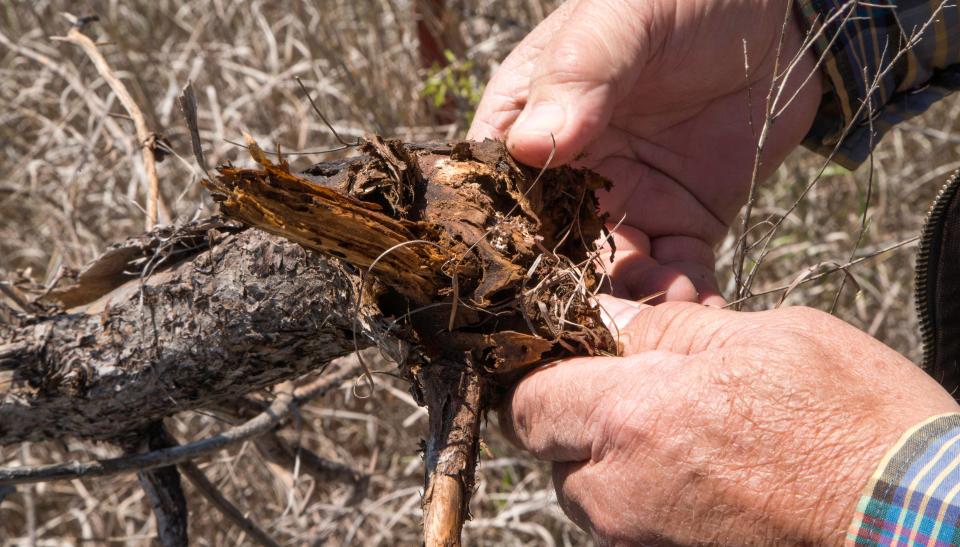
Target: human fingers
(590, 63)
(617, 313)
(568, 481)
(695, 259)
(682, 328)
(679, 267)
(507, 91)
(558, 412)
(601, 498)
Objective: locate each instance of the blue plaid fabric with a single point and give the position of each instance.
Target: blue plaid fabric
(914, 496)
(884, 61)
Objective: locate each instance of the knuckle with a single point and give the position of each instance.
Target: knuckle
(578, 63)
(669, 326)
(625, 426)
(524, 406)
(664, 315)
(575, 59)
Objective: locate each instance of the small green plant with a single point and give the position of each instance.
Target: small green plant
(454, 82)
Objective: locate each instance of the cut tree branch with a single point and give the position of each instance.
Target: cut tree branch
(452, 392)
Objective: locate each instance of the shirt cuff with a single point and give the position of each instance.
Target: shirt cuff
(914, 495)
(872, 81)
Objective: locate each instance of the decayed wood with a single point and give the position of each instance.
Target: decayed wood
(456, 225)
(473, 266)
(198, 315)
(494, 262)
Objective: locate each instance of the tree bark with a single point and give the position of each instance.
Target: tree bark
(215, 311)
(452, 392)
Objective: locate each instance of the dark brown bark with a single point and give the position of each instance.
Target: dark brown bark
(219, 312)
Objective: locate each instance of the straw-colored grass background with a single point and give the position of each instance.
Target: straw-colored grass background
(71, 182)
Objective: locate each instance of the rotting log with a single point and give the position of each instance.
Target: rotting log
(473, 251)
(466, 267)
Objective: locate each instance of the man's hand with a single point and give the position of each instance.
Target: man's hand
(719, 426)
(655, 96)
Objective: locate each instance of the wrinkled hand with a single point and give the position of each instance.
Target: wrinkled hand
(655, 95)
(719, 426)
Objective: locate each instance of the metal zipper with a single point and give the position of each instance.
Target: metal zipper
(928, 257)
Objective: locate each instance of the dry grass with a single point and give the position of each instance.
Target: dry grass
(72, 181)
(908, 168)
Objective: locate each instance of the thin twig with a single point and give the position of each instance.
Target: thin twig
(293, 152)
(324, 118)
(144, 135)
(278, 410)
(864, 219)
(823, 274)
(768, 121)
(767, 237)
(226, 508)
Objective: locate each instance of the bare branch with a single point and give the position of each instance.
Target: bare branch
(146, 137)
(452, 393)
(163, 489)
(266, 421)
(227, 509)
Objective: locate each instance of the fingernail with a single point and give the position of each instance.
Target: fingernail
(617, 314)
(624, 318)
(541, 119)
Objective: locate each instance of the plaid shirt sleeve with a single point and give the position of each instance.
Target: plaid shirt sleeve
(883, 61)
(914, 496)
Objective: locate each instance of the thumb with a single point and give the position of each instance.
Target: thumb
(617, 313)
(676, 327)
(590, 63)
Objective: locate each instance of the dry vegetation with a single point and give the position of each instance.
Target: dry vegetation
(72, 182)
